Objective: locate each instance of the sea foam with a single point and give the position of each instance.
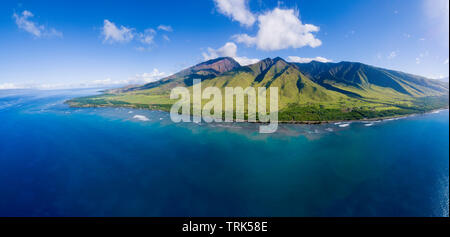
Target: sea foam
(141, 118)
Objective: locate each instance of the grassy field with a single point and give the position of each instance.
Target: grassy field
(342, 109)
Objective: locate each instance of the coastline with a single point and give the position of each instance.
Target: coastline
(365, 120)
(288, 122)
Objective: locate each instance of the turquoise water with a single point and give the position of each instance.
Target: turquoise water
(60, 161)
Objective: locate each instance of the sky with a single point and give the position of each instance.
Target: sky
(65, 44)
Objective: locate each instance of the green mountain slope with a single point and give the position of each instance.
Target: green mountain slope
(307, 92)
(363, 80)
(206, 70)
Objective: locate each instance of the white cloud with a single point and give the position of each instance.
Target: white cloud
(147, 37)
(147, 77)
(27, 25)
(166, 38)
(23, 22)
(137, 79)
(104, 82)
(121, 34)
(281, 29)
(141, 49)
(244, 61)
(53, 33)
(417, 60)
(297, 59)
(112, 33)
(165, 28)
(107, 82)
(237, 10)
(392, 55)
(446, 61)
(228, 50)
(6, 86)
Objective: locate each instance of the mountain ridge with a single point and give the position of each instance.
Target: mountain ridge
(307, 91)
(209, 68)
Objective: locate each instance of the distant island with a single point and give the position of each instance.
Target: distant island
(308, 92)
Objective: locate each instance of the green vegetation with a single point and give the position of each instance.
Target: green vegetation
(295, 112)
(307, 92)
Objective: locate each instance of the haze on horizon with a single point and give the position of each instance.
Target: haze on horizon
(55, 44)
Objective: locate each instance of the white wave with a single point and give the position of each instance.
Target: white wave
(368, 124)
(141, 118)
(344, 125)
(437, 111)
(393, 119)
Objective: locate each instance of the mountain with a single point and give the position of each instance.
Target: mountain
(206, 70)
(361, 78)
(312, 91)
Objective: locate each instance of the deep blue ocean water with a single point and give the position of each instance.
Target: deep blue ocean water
(61, 161)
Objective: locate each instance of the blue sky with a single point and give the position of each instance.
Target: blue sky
(58, 44)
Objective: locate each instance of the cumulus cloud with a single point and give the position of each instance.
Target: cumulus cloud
(422, 56)
(113, 34)
(24, 22)
(244, 61)
(281, 29)
(228, 50)
(147, 77)
(297, 59)
(165, 28)
(237, 10)
(137, 79)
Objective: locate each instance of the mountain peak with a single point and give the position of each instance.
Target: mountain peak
(278, 59)
(267, 62)
(219, 59)
(221, 65)
(280, 62)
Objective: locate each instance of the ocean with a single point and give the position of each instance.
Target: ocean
(61, 161)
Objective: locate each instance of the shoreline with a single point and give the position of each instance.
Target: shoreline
(364, 120)
(290, 122)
